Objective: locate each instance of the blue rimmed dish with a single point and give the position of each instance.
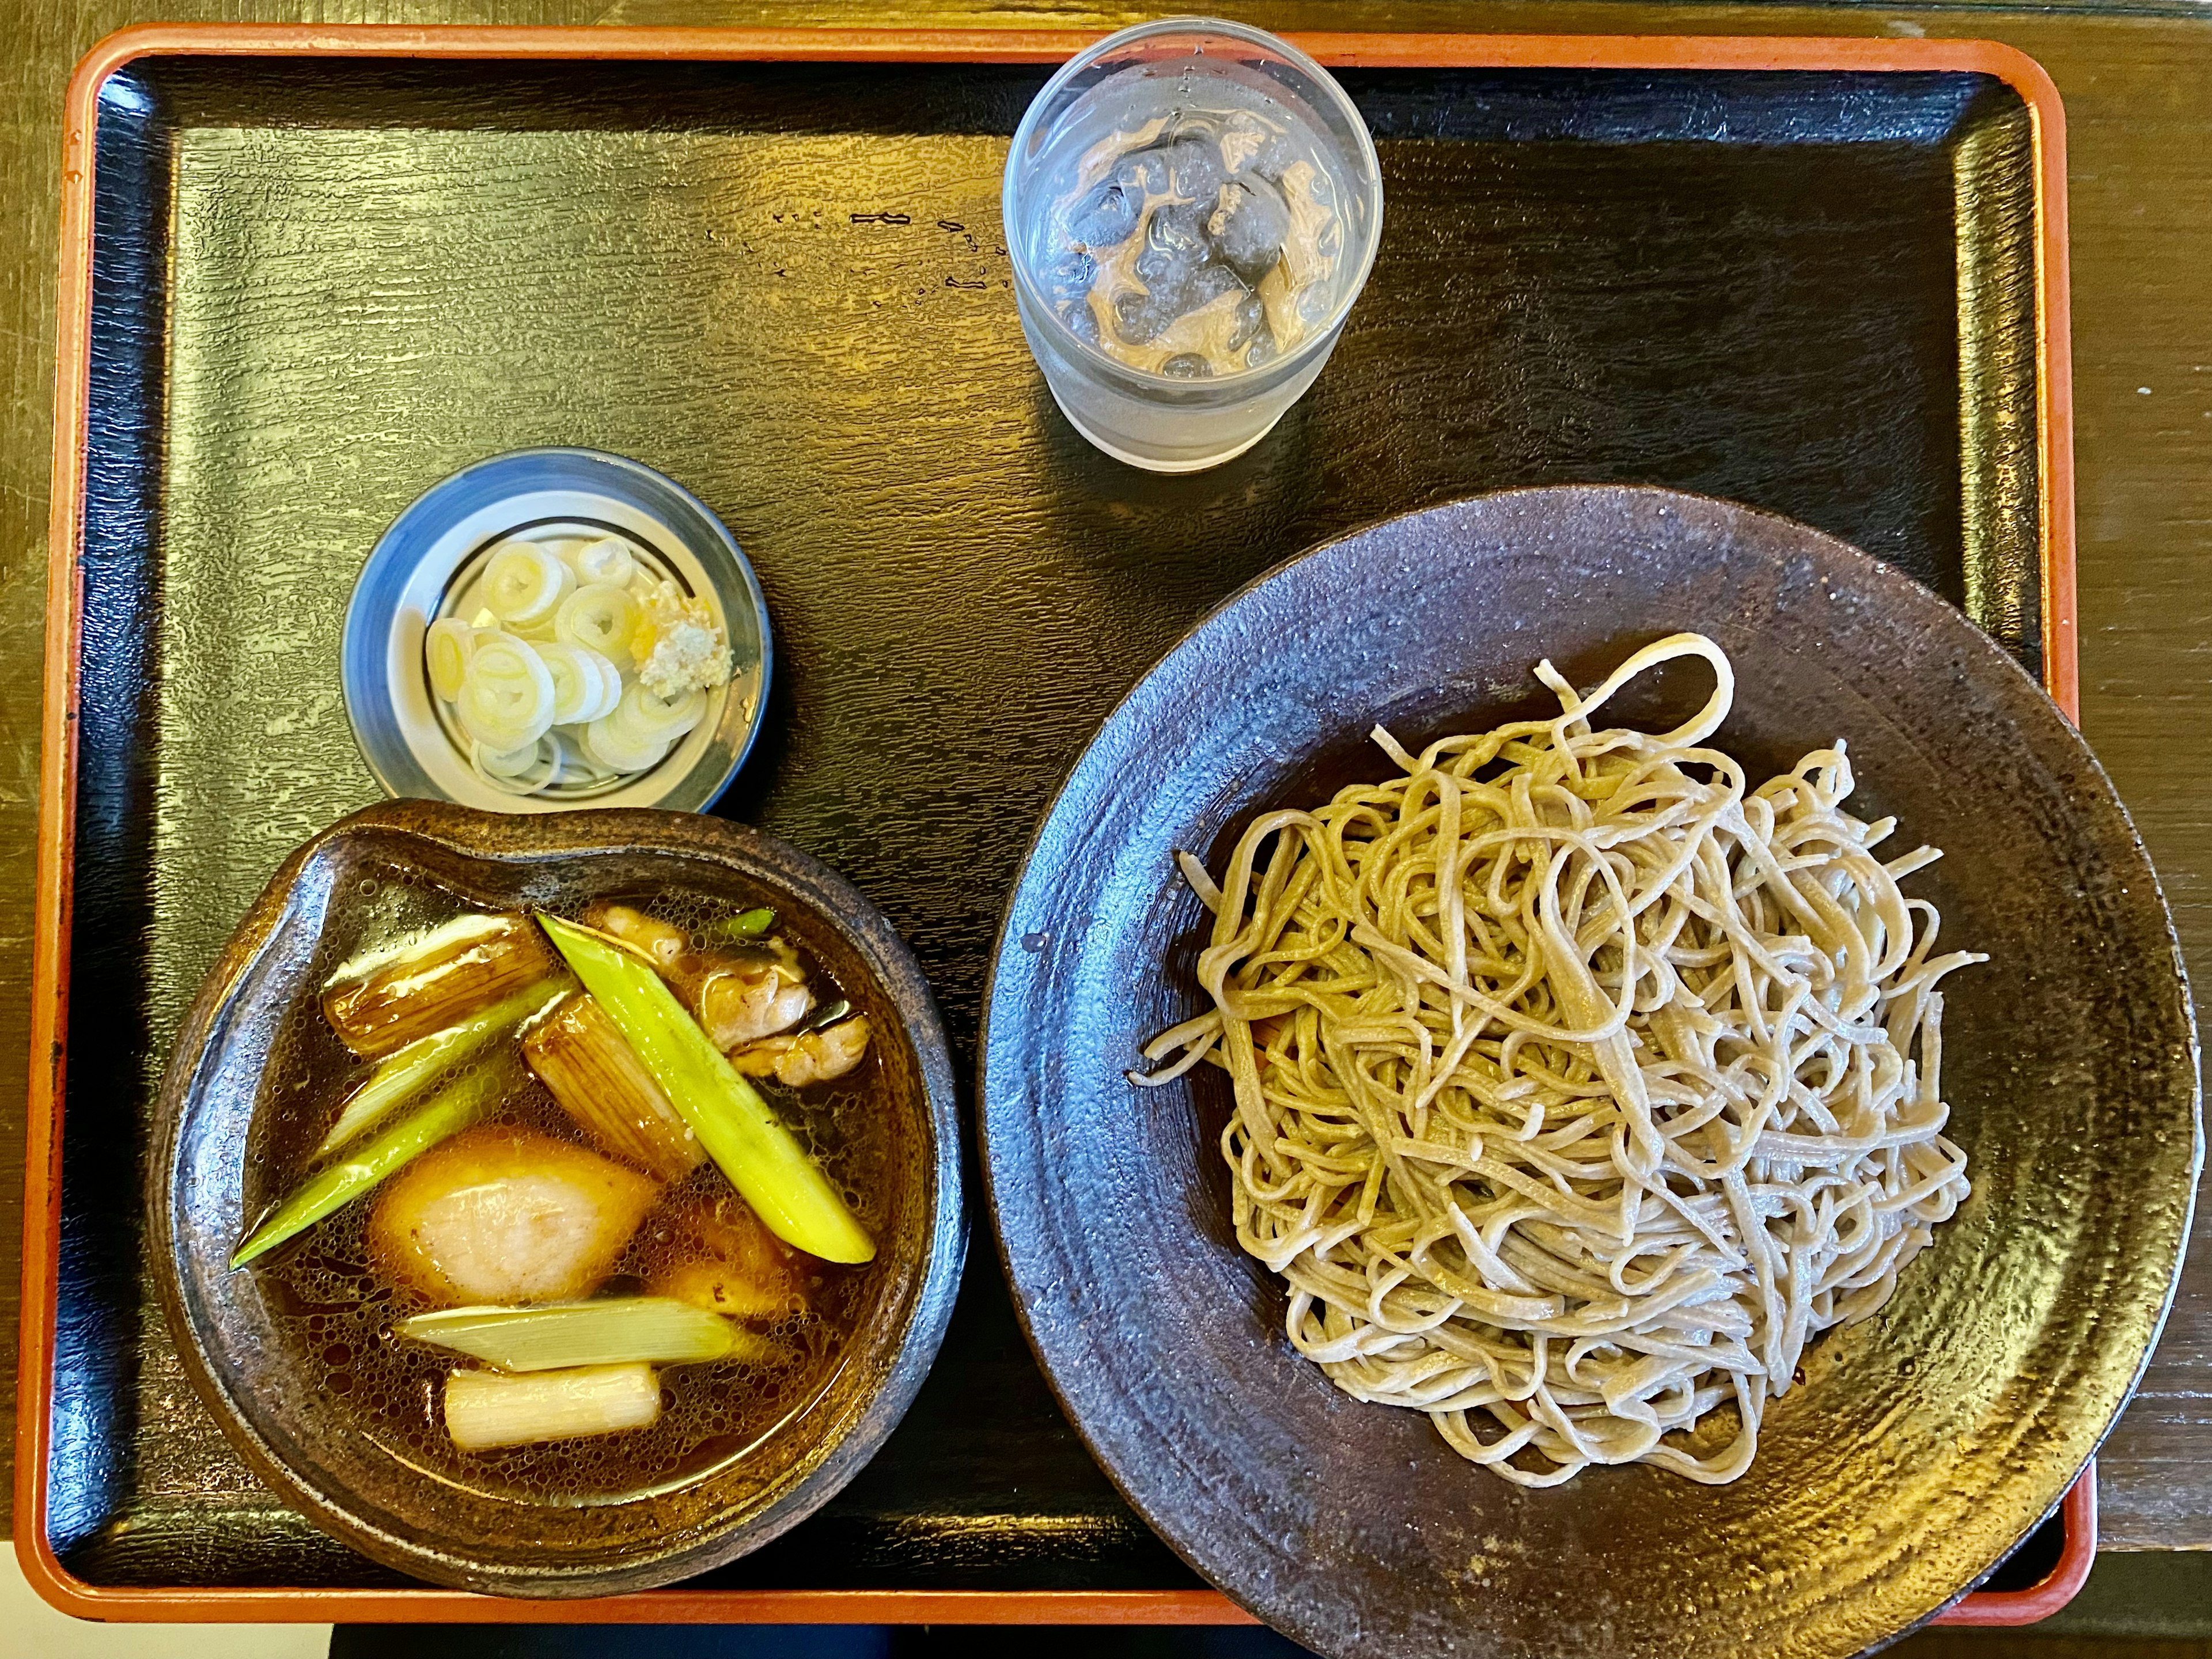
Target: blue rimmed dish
(430, 556)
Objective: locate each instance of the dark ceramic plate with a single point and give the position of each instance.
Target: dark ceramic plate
(245, 1357)
(1925, 1442)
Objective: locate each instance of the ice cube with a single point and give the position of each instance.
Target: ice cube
(1070, 278)
(1251, 145)
(1175, 241)
(1176, 252)
(1194, 171)
(1187, 366)
(1140, 318)
(1142, 174)
(1208, 284)
(1103, 217)
(1248, 225)
(1251, 319)
(1137, 317)
(1082, 322)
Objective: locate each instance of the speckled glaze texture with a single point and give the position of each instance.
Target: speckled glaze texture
(310, 1449)
(1924, 1441)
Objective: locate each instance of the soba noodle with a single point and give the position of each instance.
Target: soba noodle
(1577, 1086)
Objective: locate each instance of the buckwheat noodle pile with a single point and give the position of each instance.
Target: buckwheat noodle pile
(1578, 1085)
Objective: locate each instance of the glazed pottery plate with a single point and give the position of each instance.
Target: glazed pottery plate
(255, 1029)
(1924, 1442)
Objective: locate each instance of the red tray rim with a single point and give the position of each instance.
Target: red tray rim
(58, 760)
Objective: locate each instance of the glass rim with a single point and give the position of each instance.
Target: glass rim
(1323, 335)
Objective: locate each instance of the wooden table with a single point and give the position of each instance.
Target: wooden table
(2140, 120)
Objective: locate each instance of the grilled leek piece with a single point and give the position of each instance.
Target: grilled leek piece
(485, 1410)
(588, 1066)
(441, 979)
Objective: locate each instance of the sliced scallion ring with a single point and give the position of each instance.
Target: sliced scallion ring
(578, 689)
(646, 716)
(507, 694)
(607, 560)
(610, 683)
(599, 618)
(620, 752)
(446, 653)
(525, 771)
(505, 763)
(524, 584)
(577, 765)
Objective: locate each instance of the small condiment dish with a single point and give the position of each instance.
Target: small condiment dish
(430, 564)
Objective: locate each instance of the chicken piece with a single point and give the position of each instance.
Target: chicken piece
(726, 1259)
(810, 1057)
(739, 996)
(501, 1215)
(661, 942)
(744, 1006)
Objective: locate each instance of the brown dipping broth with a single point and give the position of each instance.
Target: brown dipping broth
(335, 1310)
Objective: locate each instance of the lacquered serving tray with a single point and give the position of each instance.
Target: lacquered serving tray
(307, 271)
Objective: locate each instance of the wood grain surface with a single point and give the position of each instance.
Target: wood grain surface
(2141, 184)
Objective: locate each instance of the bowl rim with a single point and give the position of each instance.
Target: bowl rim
(540, 839)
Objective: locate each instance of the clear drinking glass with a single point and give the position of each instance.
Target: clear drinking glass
(1143, 195)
